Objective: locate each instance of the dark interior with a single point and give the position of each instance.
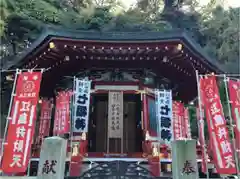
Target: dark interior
(133, 135)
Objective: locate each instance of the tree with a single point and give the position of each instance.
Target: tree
(6, 8)
(222, 37)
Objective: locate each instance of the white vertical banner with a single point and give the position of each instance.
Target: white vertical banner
(115, 114)
(164, 116)
(81, 105)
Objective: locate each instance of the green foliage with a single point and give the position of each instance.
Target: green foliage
(222, 35)
(6, 8)
(214, 28)
(193, 120)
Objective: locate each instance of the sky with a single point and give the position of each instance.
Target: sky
(227, 3)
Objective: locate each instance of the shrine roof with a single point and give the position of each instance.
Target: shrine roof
(173, 55)
(107, 38)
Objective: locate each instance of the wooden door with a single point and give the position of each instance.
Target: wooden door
(129, 127)
(101, 126)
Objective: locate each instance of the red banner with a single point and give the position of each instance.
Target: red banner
(187, 124)
(234, 94)
(178, 120)
(223, 153)
(45, 120)
(22, 123)
(62, 113)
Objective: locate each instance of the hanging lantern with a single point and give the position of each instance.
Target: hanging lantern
(67, 58)
(51, 45)
(9, 78)
(165, 59)
(75, 150)
(83, 137)
(179, 47)
(147, 136)
(155, 152)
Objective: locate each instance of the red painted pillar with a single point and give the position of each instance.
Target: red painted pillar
(77, 158)
(154, 162)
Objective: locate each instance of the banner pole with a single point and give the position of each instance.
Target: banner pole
(157, 113)
(58, 116)
(108, 121)
(201, 119)
(222, 75)
(8, 115)
(231, 125)
(72, 123)
(122, 122)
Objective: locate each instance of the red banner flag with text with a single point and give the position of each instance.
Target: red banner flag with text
(62, 113)
(178, 120)
(45, 119)
(234, 94)
(222, 148)
(22, 123)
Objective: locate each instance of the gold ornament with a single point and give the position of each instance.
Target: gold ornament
(155, 152)
(83, 136)
(147, 136)
(179, 47)
(75, 150)
(51, 45)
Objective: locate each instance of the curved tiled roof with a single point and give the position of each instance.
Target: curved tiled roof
(116, 37)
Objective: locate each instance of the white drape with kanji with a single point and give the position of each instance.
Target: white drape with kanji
(164, 116)
(115, 114)
(81, 105)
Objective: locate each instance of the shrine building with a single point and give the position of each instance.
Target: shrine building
(135, 63)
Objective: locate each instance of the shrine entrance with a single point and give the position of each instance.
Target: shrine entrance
(132, 131)
(118, 170)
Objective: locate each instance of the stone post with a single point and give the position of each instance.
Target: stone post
(184, 159)
(52, 158)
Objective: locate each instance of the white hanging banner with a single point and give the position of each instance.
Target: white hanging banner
(115, 114)
(81, 105)
(164, 116)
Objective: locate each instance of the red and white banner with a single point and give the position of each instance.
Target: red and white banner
(22, 123)
(45, 119)
(62, 113)
(187, 124)
(178, 120)
(222, 149)
(234, 94)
